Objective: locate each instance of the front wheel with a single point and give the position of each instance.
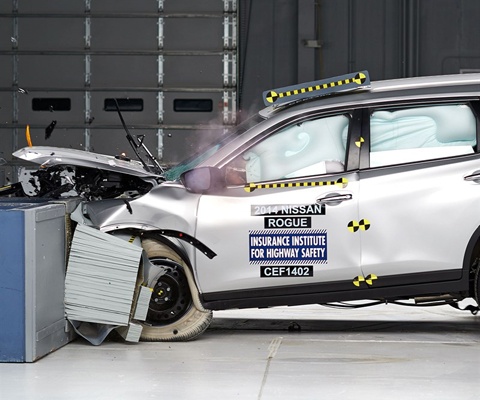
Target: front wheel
(174, 312)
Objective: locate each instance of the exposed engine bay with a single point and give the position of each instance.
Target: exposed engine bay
(65, 173)
(88, 183)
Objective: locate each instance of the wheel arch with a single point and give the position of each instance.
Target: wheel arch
(160, 236)
(163, 235)
(176, 247)
(472, 252)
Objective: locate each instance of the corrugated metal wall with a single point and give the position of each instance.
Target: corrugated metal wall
(187, 66)
(283, 42)
(172, 63)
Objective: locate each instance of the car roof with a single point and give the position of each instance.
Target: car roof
(421, 82)
(439, 85)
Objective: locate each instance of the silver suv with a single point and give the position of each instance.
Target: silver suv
(368, 194)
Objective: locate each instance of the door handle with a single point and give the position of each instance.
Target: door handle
(472, 177)
(334, 198)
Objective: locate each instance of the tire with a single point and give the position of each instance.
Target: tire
(476, 293)
(175, 312)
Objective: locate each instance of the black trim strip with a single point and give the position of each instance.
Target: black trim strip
(385, 288)
(354, 133)
(191, 240)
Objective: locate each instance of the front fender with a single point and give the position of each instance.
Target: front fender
(165, 207)
(168, 211)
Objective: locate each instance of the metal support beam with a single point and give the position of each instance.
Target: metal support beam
(160, 61)
(230, 67)
(410, 37)
(307, 41)
(88, 77)
(15, 79)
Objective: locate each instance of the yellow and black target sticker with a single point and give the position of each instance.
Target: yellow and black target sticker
(342, 182)
(358, 280)
(369, 280)
(359, 142)
(316, 88)
(363, 224)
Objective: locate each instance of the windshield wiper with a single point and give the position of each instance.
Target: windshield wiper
(138, 143)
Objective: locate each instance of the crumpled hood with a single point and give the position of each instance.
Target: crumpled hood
(49, 156)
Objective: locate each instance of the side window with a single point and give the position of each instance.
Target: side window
(422, 133)
(311, 147)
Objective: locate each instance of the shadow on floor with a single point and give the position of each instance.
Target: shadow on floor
(471, 324)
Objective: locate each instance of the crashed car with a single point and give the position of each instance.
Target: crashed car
(341, 192)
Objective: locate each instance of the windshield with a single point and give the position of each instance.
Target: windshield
(191, 162)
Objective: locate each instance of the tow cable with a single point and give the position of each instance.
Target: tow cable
(473, 309)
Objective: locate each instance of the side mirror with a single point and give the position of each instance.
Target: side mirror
(203, 180)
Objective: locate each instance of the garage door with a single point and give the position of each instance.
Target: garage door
(172, 64)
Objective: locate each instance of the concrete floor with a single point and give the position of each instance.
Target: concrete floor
(383, 352)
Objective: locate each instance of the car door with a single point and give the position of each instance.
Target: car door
(283, 221)
(420, 209)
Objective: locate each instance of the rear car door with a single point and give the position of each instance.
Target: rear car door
(283, 219)
(420, 207)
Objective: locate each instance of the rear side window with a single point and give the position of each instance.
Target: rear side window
(400, 136)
